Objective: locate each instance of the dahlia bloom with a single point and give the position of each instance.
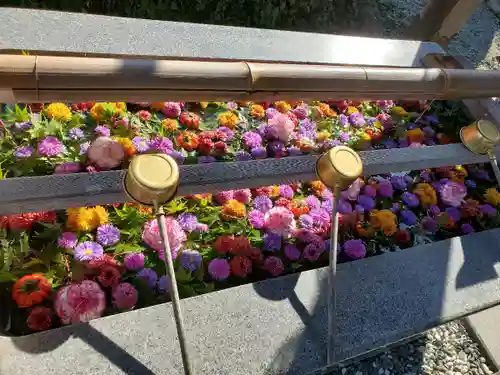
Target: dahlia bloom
(39, 319)
(106, 153)
(281, 221)
(176, 236)
(125, 296)
(134, 261)
(283, 126)
(274, 265)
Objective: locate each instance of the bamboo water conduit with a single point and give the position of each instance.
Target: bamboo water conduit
(50, 78)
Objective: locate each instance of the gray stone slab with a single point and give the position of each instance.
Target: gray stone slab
(51, 31)
(485, 327)
(279, 326)
(31, 194)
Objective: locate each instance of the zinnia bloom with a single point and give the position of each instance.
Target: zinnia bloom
(88, 250)
(134, 261)
(256, 219)
(188, 140)
(188, 222)
(176, 236)
(274, 265)
(241, 266)
(384, 220)
(108, 235)
(426, 194)
(58, 111)
(280, 221)
(106, 153)
(219, 269)
(68, 167)
(80, 302)
(452, 193)
(109, 276)
(172, 109)
(272, 242)
(228, 119)
(31, 290)
(243, 195)
(39, 319)
(50, 146)
(23, 152)
(223, 196)
(411, 200)
(292, 252)
(233, 209)
(408, 217)
(313, 251)
(125, 296)
(355, 249)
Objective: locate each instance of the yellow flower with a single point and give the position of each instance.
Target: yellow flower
(316, 112)
(105, 111)
(158, 105)
(282, 106)
(426, 194)
(384, 220)
(351, 110)
(322, 136)
(100, 215)
(399, 111)
(59, 111)
(461, 171)
(257, 111)
(492, 196)
(415, 135)
(327, 111)
(233, 209)
(121, 108)
(228, 119)
(275, 191)
(170, 124)
(127, 145)
(318, 187)
(86, 219)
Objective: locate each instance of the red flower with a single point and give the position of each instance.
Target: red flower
(294, 118)
(22, 221)
(241, 246)
(39, 319)
(284, 202)
(30, 290)
(75, 107)
(47, 217)
(224, 244)
(144, 115)
(35, 107)
(256, 255)
(241, 266)
(106, 260)
(266, 190)
(220, 148)
(189, 120)
(403, 237)
(205, 146)
(109, 276)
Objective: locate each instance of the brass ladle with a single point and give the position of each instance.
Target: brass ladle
(337, 169)
(481, 137)
(152, 180)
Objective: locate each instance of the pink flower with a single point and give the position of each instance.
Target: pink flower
(172, 109)
(223, 196)
(353, 191)
(274, 266)
(453, 193)
(280, 220)
(68, 168)
(243, 195)
(144, 115)
(219, 269)
(283, 125)
(125, 296)
(176, 236)
(109, 276)
(106, 153)
(80, 302)
(39, 319)
(301, 112)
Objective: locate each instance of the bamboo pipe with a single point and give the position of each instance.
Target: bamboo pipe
(51, 78)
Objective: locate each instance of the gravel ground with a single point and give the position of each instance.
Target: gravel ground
(446, 350)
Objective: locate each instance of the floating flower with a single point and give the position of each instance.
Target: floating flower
(243, 195)
(384, 220)
(102, 131)
(313, 251)
(411, 200)
(188, 222)
(88, 250)
(50, 146)
(172, 109)
(251, 139)
(228, 119)
(106, 153)
(426, 194)
(280, 221)
(108, 235)
(488, 210)
(86, 219)
(161, 144)
(163, 284)
(233, 209)
(274, 265)
(67, 240)
(59, 112)
(408, 217)
(23, 152)
(125, 296)
(190, 260)
(429, 225)
(262, 203)
(282, 106)
(31, 290)
(39, 319)
(176, 236)
(357, 120)
(467, 228)
(256, 219)
(134, 261)
(292, 252)
(79, 302)
(283, 126)
(415, 135)
(366, 202)
(452, 193)
(149, 276)
(223, 196)
(403, 237)
(257, 111)
(272, 242)
(188, 140)
(241, 266)
(355, 249)
(219, 269)
(492, 196)
(109, 276)
(68, 167)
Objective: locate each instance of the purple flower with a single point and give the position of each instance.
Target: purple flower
(343, 121)
(270, 112)
(190, 260)
(163, 284)
(344, 207)
(161, 144)
(357, 120)
(272, 242)
(23, 152)
(398, 182)
(68, 167)
(411, 126)
(50, 146)
(292, 252)
(312, 252)
(286, 191)
(206, 159)
(256, 219)
(294, 151)
(23, 125)
(396, 207)
(429, 132)
(306, 221)
(259, 152)
(268, 132)
(84, 147)
(433, 210)
(219, 269)
(425, 176)
(366, 202)
(355, 249)
(301, 112)
(429, 225)
(453, 213)
(88, 250)
(384, 189)
(67, 240)
(134, 261)
(452, 193)
(188, 222)
(432, 119)
(488, 210)
(75, 134)
(313, 202)
(369, 191)
(470, 184)
(201, 228)
(327, 205)
(228, 132)
(141, 144)
(242, 156)
(307, 236)
(177, 156)
(321, 218)
(108, 235)
(149, 276)
(411, 200)
(402, 143)
(102, 131)
(467, 228)
(262, 203)
(344, 137)
(251, 139)
(408, 217)
(275, 148)
(389, 143)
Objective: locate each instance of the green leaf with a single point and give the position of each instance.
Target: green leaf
(122, 248)
(183, 276)
(7, 277)
(186, 291)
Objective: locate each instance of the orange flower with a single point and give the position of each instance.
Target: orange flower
(233, 209)
(299, 207)
(188, 141)
(170, 124)
(275, 191)
(415, 135)
(426, 194)
(257, 111)
(127, 145)
(158, 105)
(282, 106)
(30, 290)
(364, 230)
(384, 220)
(327, 111)
(318, 188)
(228, 119)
